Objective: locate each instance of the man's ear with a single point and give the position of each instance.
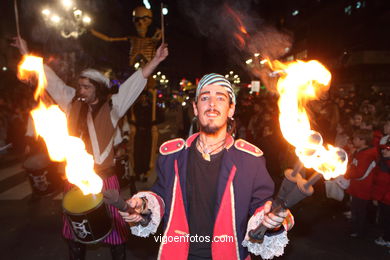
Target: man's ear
(232, 108)
(195, 108)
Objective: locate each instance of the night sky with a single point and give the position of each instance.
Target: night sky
(200, 34)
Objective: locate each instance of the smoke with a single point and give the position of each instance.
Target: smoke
(234, 26)
(223, 22)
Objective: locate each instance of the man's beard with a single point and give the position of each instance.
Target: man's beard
(210, 130)
(207, 128)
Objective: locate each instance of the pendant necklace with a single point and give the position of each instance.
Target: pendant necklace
(207, 150)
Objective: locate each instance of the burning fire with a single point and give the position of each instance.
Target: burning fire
(301, 82)
(241, 34)
(50, 123)
(30, 64)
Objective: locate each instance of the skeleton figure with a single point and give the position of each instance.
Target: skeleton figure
(40, 182)
(142, 48)
(80, 228)
(141, 51)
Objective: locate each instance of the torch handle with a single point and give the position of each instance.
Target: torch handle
(297, 168)
(258, 233)
(146, 217)
(113, 198)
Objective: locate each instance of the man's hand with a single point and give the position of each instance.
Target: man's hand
(161, 54)
(20, 44)
(135, 217)
(272, 221)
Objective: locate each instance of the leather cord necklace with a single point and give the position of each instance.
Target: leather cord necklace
(208, 150)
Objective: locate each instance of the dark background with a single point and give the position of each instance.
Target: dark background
(339, 33)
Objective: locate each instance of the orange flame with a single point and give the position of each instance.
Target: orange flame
(300, 82)
(243, 29)
(51, 124)
(236, 19)
(31, 64)
(241, 33)
(239, 39)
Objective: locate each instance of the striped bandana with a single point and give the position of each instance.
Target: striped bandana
(217, 79)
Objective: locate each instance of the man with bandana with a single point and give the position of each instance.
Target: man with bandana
(211, 189)
(93, 115)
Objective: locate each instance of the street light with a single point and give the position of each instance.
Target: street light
(233, 78)
(46, 12)
(77, 13)
(147, 4)
(86, 20)
(67, 4)
(161, 78)
(55, 19)
(72, 22)
(256, 61)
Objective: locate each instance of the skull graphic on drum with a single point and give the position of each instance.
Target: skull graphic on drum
(80, 228)
(40, 182)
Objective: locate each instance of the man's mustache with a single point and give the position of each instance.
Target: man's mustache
(213, 111)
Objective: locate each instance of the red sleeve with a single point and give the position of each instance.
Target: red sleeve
(361, 162)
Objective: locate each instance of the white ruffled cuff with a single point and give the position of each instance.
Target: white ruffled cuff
(271, 246)
(155, 207)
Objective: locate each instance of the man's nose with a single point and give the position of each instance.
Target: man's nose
(212, 102)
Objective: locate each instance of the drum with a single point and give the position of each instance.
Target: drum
(88, 216)
(42, 174)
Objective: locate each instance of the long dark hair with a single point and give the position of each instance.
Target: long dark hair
(102, 94)
(231, 126)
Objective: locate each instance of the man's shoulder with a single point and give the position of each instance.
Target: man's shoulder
(172, 146)
(245, 146)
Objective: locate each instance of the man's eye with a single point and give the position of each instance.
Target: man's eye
(221, 98)
(204, 98)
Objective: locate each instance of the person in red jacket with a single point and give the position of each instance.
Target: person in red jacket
(360, 175)
(381, 193)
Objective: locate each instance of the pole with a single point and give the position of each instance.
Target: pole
(162, 25)
(17, 18)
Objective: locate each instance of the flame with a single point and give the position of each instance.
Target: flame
(241, 34)
(51, 123)
(243, 29)
(240, 40)
(236, 19)
(301, 82)
(29, 65)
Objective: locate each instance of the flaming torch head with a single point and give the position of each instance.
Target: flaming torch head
(302, 82)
